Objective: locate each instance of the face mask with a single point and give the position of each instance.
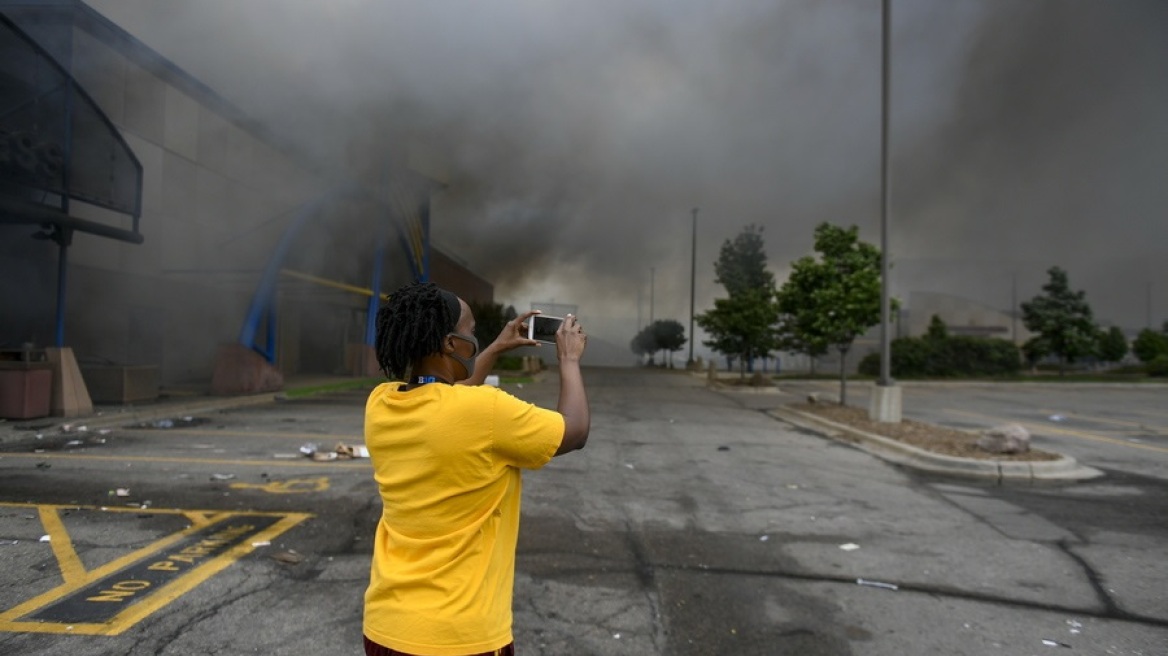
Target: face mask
(467, 363)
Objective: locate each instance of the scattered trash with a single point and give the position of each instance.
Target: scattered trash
(877, 584)
(82, 429)
(1076, 627)
(74, 443)
(9, 541)
(43, 465)
(1055, 643)
(491, 380)
(104, 431)
(164, 423)
(851, 546)
(629, 465)
(222, 477)
(46, 538)
(262, 543)
(1057, 418)
(763, 538)
(352, 451)
(121, 492)
(324, 456)
(289, 557)
(309, 448)
(616, 636)
(519, 385)
(65, 428)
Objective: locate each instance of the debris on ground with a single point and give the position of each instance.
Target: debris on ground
(222, 477)
(877, 584)
(850, 546)
(289, 557)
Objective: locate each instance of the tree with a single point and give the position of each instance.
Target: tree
(490, 319)
(1063, 320)
(1150, 345)
(743, 325)
(834, 299)
(661, 335)
(668, 335)
(741, 264)
(1112, 345)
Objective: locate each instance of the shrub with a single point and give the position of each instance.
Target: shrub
(1158, 367)
(937, 356)
(509, 363)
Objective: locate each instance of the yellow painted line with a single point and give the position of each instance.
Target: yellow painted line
(1043, 428)
(71, 568)
(299, 462)
(202, 432)
(289, 486)
(7, 617)
(204, 571)
(171, 591)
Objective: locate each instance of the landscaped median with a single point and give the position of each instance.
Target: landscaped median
(1044, 467)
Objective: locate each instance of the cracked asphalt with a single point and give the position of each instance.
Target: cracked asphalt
(693, 523)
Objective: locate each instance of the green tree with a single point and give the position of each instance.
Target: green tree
(741, 264)
(833, 299)
(1150, 345)
(1112, 345)
(490, 319)
(669, 336)
(937, 329)
(742, 326)
(643, 344)
(1063, 320)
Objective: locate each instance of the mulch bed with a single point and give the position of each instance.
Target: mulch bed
(937, 439)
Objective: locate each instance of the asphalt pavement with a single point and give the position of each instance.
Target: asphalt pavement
(694, 522)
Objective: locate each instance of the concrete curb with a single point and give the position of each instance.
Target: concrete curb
(117, 416)
(1065, 469)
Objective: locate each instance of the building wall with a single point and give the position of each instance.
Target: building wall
(218, 192)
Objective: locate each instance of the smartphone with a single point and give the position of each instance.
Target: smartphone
(542, 328)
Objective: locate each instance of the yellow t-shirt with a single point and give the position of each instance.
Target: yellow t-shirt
(447, 460)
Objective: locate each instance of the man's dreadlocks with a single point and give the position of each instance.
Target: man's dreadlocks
(412, 325)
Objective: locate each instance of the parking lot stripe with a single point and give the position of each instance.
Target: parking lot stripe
(301, 462)
(71, 568)
(113, 597)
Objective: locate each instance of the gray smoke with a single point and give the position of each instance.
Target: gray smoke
(581, 135)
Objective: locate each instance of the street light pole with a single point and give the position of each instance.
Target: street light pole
(693, 266)
(885, 402)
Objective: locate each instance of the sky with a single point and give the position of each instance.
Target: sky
(580, 137)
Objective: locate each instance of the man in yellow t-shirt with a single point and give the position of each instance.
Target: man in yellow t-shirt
(447, 459)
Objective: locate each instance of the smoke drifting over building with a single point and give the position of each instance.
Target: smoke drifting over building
(579, 136)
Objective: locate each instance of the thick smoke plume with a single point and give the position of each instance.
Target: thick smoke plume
(581, 135)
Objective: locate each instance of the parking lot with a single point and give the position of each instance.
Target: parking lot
(693, 523)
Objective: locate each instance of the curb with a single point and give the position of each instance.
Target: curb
(1065, 469)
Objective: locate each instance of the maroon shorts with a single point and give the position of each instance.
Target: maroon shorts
(374, 649)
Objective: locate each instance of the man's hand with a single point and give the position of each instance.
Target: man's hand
(514, 334)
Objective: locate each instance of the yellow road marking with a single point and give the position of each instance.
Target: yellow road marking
(300, 462)
(77, 578)
(71, 568)
(202, 432)
(1043, 428)
(290, 486)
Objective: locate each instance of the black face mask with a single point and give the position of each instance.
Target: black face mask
(467, 363)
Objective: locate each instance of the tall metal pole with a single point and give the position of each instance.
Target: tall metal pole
(885, 201)
(652, 276)
(693, 267)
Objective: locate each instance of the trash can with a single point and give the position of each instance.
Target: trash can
(26, 385)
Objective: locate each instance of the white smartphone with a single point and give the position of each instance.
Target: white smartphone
(542, 328)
